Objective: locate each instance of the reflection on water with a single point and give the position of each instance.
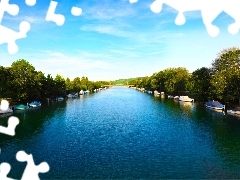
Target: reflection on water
(122, 133)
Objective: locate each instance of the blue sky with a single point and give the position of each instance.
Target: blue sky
(114, 39)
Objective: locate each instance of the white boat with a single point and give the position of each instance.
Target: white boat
(156, 93)
(69, 95)
(5, 111)
(81, 92)
(176, 97)
(60, 98)
(170, 96)
(235, 111)
(185, 99)
(149, 92)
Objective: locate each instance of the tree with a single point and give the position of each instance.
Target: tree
(226, 75)
(76, 84)
(201, 85)
(25, 83)
(84, 83)
(48, 87)
(6, 79)
(60, 85)
(175, 79)
(69, 85)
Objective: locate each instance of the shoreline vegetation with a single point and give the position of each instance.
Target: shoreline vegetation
(22, 83)
(219, 82)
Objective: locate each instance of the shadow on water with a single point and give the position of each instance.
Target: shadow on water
(32, 120)
(221, 128)
(32, 123)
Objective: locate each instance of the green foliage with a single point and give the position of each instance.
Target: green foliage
(22, 82)
(60, 85)
(226, 72)
(175, 80)
(6, 82)
(25, 82)
(199, 83)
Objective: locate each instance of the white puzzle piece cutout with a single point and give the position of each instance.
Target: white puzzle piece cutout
(31, 171)
(12, 121)
(4, 105)
(7, 35)
(59, 19)
(133, 1)
(210, 10)
(4, 170)
(10, 130)
(30, 2)
(76, 11)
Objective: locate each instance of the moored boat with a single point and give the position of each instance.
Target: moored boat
(176, 97)
(156, 93)
(35, 104)
(81, 92)
(215, 105)
(235, 111)
(60, 98)
(20, 107)
(69, 95)
(185, 99)
(5, 111)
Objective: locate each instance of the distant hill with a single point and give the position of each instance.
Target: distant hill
(129, 81)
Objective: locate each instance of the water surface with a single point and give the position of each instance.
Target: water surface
(123, 133)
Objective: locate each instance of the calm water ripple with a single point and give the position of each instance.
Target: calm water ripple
(121, 133)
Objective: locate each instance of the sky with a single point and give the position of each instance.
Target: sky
(114, 39)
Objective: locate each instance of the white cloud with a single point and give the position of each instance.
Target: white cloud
(125, 53)
(108, 11)
(107, 29)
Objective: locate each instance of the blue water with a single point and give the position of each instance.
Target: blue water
(121, 133)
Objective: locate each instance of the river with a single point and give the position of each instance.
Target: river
(121, 133)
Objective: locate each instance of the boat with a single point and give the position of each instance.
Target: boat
(156, 93)
(60, 98)
(170, 96)
(35, 104)
(162, 94)
(235, 111)
(215, 105)
(149, 92)
(185, 99)
(81, 92)
(20, 107)
(176, 97)
(69, 95)
(8, 110)
(87, 91)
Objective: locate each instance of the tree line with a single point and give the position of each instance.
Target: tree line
(220, 81)
(22, 83)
